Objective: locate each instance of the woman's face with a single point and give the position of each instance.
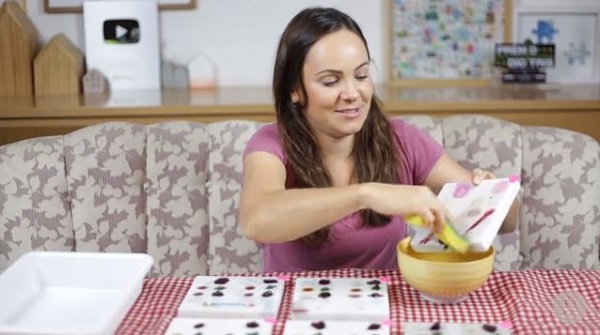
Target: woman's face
(338, 85)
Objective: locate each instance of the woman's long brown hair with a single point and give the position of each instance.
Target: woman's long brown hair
(377, 152)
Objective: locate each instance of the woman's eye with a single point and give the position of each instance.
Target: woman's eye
(361, 76)
(329, 82)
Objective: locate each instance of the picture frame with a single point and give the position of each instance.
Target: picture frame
(573, 27)
(446, 43)
(76, 6)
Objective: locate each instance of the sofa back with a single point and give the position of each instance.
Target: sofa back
(172, 189)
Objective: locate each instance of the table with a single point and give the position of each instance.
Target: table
(533, 301)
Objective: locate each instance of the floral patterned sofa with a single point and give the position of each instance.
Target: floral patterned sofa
(171, 190)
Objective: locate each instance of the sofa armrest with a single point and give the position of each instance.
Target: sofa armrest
(561, 203)
(34, 204)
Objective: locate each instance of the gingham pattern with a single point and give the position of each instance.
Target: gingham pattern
(534, 302)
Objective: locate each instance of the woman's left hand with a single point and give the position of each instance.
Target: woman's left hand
(479, 175)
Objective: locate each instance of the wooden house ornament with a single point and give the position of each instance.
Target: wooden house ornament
(202, 72)
(174, 76)
(94, 82)
(58, 68)
(18, 47)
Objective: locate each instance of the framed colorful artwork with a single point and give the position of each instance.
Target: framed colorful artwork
(446, 42)
(573, 28)
(76, 6)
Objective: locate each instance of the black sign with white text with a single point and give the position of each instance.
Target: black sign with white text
(524, 62)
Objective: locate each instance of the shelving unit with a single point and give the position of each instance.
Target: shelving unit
(572, 107)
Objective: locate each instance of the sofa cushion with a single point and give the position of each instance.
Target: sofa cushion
(229, 250)
(105, 166)
(177, 202)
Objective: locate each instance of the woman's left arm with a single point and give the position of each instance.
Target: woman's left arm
(447, 170)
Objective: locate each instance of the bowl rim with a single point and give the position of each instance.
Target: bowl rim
(491, 252)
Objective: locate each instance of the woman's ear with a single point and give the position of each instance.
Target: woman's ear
(295, 97)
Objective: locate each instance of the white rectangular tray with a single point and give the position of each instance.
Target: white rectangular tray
(63, 293)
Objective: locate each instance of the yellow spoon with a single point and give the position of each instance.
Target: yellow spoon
(449, 235)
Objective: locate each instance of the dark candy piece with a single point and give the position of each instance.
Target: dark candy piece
(324, 281)
(374, 282)
(269, 281)
(217, 294)
(198, 293)
(324, 295)
(374, 326)
(435, 326)
(489, 328)
(221, 281)
(250, 287)
(375, 295)
(198, 325)
(267, 294)
(318, 325)
(270, 287)
(251, 324)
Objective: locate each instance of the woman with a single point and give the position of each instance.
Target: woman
(329, 184)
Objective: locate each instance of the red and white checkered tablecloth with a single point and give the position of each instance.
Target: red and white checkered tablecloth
(534, 302)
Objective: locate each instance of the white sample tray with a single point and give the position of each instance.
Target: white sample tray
(63, 293)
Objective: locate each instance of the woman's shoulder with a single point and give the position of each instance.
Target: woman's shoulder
(402, 128)
(267, 132)
(414, 140)
(269, 129)
(266, 138)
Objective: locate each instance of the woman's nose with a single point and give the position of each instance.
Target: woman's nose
(350, 91)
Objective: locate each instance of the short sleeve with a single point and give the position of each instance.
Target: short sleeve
(421, 151)
(266, 139)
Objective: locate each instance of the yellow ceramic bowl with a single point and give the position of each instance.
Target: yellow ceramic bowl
(444, 277)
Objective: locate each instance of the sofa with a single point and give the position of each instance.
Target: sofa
(171, 190)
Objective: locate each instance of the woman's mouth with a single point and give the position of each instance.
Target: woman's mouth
(349, 111)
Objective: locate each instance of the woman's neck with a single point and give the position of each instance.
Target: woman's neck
(336, 149)
(336, 155)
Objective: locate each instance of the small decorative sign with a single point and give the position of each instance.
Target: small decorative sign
(524, 62)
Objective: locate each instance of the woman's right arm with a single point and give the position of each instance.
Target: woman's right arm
(271, 214)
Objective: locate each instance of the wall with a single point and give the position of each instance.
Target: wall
(239, 35)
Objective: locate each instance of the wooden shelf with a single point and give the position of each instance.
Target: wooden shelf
(572, 107)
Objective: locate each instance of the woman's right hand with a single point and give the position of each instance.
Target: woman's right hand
(405, 200)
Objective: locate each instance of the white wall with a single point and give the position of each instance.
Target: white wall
(239, 35)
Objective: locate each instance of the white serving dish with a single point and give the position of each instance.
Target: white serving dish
(68, 293)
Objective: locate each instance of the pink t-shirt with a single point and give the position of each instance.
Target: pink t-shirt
(350, 245)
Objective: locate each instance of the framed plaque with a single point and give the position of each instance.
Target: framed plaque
(76, 6)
